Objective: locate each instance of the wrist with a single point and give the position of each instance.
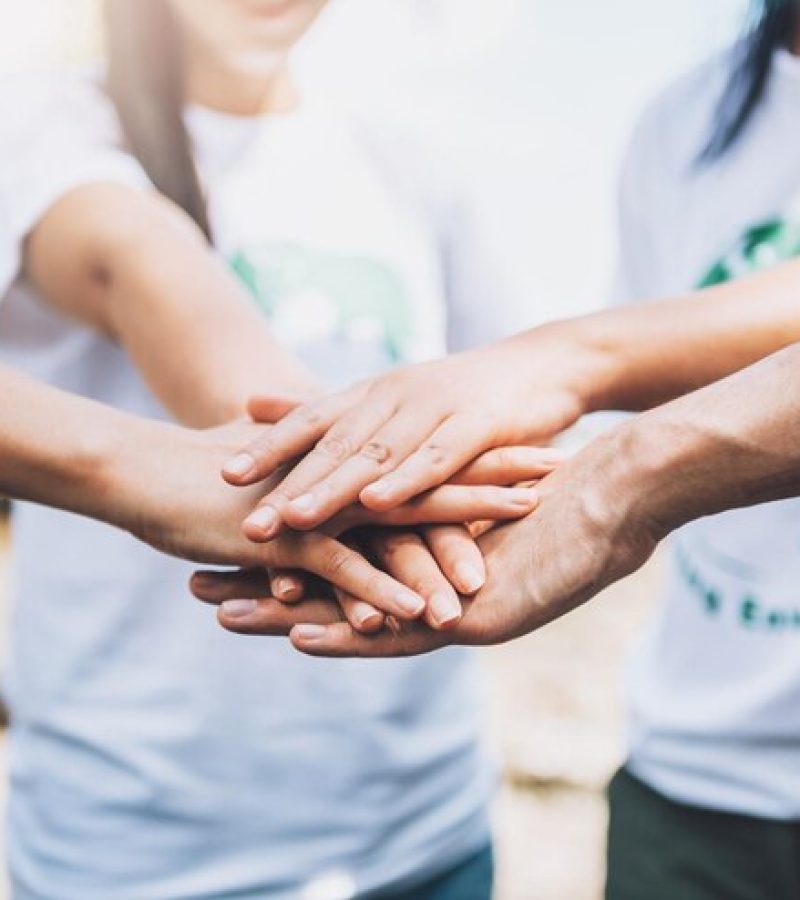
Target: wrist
(574, 360)
(657, 464)
(118, 465)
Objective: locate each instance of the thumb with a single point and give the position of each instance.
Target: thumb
(271, 408)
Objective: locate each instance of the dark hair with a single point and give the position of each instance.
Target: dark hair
(145, 81)
(772, 25)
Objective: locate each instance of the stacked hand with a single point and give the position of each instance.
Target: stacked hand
(411, 562)
(387, 441)
(387, 447)
(590, 528)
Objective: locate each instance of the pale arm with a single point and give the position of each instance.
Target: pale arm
(136, 268)
(733, 444)
(386, 441)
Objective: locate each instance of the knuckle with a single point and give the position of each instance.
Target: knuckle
(374, 586)
(436, 454)
(377, 451)
(426, 585)
(309, 415)
(335, 448)
(389, 383)
(338, 561)
(265, 445)
(505, 458)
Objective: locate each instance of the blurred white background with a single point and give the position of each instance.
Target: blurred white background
(533, 98)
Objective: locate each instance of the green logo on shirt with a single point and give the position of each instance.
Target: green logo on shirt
(312, 296)
(760, 247)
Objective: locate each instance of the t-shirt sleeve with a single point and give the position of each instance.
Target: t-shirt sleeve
(482, 304)
(638, 185)
(56, 134)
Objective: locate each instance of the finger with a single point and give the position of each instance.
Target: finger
(458, 556)
(286, 586)
(456, 442)
(461, 503)
(341, 640)
(270, 409)
(321, 491)
(349, 571)
(215, 587)
(510, 465)
(293, 435)
(363, 617)
(406, 556)
(269, 616)
(345, 438)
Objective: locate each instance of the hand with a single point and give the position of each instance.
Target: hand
(429, 562)
(476, 493)
(163, 486)
(388, 440)
(436, 561)
(592, 527)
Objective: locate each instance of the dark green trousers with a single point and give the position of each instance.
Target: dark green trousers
(661, 850)
(470, 880)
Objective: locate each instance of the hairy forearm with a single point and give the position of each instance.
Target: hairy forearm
(636, 357)
(732, 444)
(151, 283)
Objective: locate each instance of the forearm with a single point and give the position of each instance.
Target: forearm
(636, 357)
(61, 450)
(735, 443)
(153, 285)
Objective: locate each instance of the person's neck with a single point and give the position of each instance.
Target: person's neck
(238, 92)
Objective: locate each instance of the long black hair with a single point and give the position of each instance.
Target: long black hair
(772, 25)
(145, 81)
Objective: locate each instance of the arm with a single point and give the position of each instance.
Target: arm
(386, 441)
(160, 482)
(133, 266)
(637, 357)
(136, 268)
(601, 515)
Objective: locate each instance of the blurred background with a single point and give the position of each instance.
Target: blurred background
(533, 101)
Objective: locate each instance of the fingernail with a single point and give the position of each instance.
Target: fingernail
(410, 604)
(238, 609)
(203, 579)
(240, 466)
(522, 497)
(309, 632)
(378, 489)
(303, 504)
(365, 615)
(264, 518)
(470, 578)
(283, 587)
(445, 609)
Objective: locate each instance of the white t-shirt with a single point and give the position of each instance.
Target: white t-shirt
(153, 755)
(715, 686)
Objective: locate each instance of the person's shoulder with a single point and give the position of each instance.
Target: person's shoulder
(676, 123)
(44, 105)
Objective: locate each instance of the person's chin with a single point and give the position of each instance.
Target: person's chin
(276, 24)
